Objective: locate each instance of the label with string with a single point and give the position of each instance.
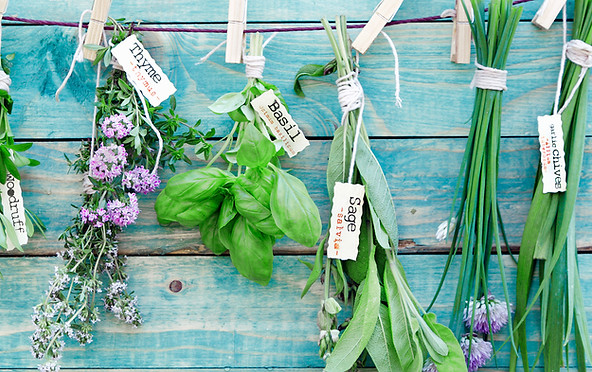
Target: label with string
(142, 70)
(276, 117)
(346, 219)
(552, 153)
(14, 209)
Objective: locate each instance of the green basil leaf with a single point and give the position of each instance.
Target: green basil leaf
(198, 212)
(380, 346)
(293, 210)
(225, 234)
(197, 184)
(210, 234)
(238, 116)
(228, 102)
(259, 189)
(401, 326)
(251, 252)
(455, 360)
(247, 205)
(263, 177)
(248, 112)
(354, 339)
(227, 212)
(255, 149)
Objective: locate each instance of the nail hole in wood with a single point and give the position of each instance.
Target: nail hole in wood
(175, 286)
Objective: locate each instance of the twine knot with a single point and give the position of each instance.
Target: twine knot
(350, 92)
(5, 81)
(489, 78)
(579, 53)
(254, 66)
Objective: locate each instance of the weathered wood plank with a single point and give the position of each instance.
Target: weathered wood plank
(437, 99)
(216, 11)
(217, 320)
(421, 173)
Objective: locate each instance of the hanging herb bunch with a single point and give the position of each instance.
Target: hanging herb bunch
(10, 160)
(478, 220)
(388, 323)
(549, 237)
(116, 171)
(251, 202)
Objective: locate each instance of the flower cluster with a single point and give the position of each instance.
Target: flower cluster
(108, 162)
(477, 351)
(498, 313)
(119, 213)
(140, 180)
(117, 126)
(429, 366)
(327, 323)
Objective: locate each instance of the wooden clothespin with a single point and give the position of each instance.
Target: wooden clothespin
(547, 13)
(460, 51)
(98, 17)
(384, 13)
(235, 34)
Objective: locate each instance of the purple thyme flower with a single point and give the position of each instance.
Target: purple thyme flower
(140, 180)
(480, 351)
(498, 312)
(107, 162)
(123, 214)
(117, 126)
(95, 218)
(429, 366)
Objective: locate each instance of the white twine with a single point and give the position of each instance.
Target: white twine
(149, 121)
(351, 97)
(578, 52)
(5, 81)
(398, 100)
(95, 110)
(78, 55)
(254, 65)
(489, 78)
(448, 13)
(210, 53)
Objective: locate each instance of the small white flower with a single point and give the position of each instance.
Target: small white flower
(442, 232)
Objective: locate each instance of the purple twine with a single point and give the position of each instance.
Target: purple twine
(223, 31)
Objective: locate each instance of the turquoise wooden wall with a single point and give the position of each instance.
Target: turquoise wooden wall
(219, 320)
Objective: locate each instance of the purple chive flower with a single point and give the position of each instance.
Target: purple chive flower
(498, 313)
(94, 218)
(107, 162)
(140, 180)
(117, 126)
(480, 351)
(429, 366)
(123, 214)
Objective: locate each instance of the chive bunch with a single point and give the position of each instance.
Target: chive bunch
(549, 234)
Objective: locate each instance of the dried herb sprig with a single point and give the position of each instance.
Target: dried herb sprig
(392, 329)
(116, 172)
(549, 237)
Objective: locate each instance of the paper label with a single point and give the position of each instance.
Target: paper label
(277, 118)
(143, 71)
(14, 209)
(346, 219)
(552, 153)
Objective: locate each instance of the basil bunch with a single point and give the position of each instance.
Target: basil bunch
(244, 213)
(388, 323)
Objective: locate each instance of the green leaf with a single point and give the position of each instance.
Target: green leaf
(252, 208)
(357, 269)
(20, 147)
(198, 212)
(339, 159)
(455, 360)
(10, 232)
(210, 234)
(380, 346)
(378, 192)
(197, 184)
(167, 209)
(238, 115)
(255, 149)
(251, 252)
(316, 269)
(293, 210)
(227, 212)
(354, 339)
(312, 70)
(227, 103)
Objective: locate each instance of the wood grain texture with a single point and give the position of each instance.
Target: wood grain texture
(437, 101)
(216, 11)
(219, 319)
(421, 172)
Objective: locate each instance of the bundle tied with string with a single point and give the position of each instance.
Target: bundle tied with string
(489, 78)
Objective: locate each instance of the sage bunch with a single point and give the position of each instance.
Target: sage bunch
(247, 205)
(388, 323)
(478, 219)
(120, 168)
(549, 238)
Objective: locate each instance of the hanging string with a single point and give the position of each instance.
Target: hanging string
(398, 100)
(577, 52)
(210, 53)
(78, 55)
